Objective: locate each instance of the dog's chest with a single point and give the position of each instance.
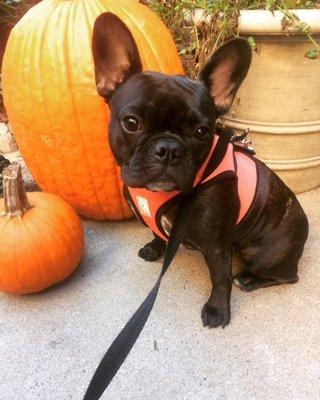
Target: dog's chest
(166, 221)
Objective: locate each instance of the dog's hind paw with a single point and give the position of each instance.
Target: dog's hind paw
(244, 281)
(249, 282)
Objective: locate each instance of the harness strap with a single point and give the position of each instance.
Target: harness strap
(219, 152)
(122, 345)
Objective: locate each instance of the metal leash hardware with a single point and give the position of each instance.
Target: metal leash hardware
(122, 345)
(242, 141)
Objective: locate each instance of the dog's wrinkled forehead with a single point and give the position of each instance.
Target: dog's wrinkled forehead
(168, 100)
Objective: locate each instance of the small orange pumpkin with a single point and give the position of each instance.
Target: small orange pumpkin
(41, 242)
(58, 119)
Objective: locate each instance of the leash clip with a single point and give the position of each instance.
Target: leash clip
(243, 142)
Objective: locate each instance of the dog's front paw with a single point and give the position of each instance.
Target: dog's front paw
(213, 316)
(152, 251)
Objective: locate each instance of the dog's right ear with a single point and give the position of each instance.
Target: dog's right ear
(115, 53)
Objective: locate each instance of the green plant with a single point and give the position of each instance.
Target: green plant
(6, 12)
(290, 19)
(196, 41)
(11, 10)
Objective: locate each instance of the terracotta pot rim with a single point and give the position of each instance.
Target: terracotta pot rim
(292, 164)
(264, 22)
(290, 128)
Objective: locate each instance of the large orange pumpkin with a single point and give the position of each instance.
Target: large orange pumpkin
(41, 237)
(58, 119)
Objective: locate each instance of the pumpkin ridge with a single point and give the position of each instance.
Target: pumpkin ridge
(3, 285)
(32, 114)
(39, 70)
(44, 221)
(65, 222)
(22, 284)
(118, 201)
(62, 244)
(48, 208)
(67, 53)
(1, 235)
(66, 171)
(71, 213)
(116, 185)
(5, 224)
(25, 43)
(36, 254)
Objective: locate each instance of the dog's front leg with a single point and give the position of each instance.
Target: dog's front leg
(154, 250)
(216, 311)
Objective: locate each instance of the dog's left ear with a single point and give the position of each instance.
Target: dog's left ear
(115, 53)
(225, 71)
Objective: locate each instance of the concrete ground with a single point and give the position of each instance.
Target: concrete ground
(51, 343)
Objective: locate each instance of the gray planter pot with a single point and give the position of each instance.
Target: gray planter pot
(279, 100)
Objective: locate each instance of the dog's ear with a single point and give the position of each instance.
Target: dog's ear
(115, 54)
(225, 71)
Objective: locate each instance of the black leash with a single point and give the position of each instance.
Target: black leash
(122, 345)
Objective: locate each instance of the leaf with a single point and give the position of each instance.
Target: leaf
(252, 42)
(270, 5)
(313, 54)
(253, 45)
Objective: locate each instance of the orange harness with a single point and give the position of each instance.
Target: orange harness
(224, 160)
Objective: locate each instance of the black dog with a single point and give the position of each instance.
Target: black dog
(161, 131)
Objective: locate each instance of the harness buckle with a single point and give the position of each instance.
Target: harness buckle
(242, 141)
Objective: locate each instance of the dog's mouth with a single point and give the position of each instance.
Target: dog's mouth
(158, 178)
(162, 185)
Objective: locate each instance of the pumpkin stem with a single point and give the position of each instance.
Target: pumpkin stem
(14, 192)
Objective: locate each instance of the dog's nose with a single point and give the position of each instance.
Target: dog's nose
(167, 151)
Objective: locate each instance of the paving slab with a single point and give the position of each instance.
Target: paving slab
(51, 343)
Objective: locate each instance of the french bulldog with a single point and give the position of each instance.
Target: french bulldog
(160, 132)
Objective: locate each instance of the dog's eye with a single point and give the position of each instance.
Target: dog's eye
(202, 132)
(131, 124)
